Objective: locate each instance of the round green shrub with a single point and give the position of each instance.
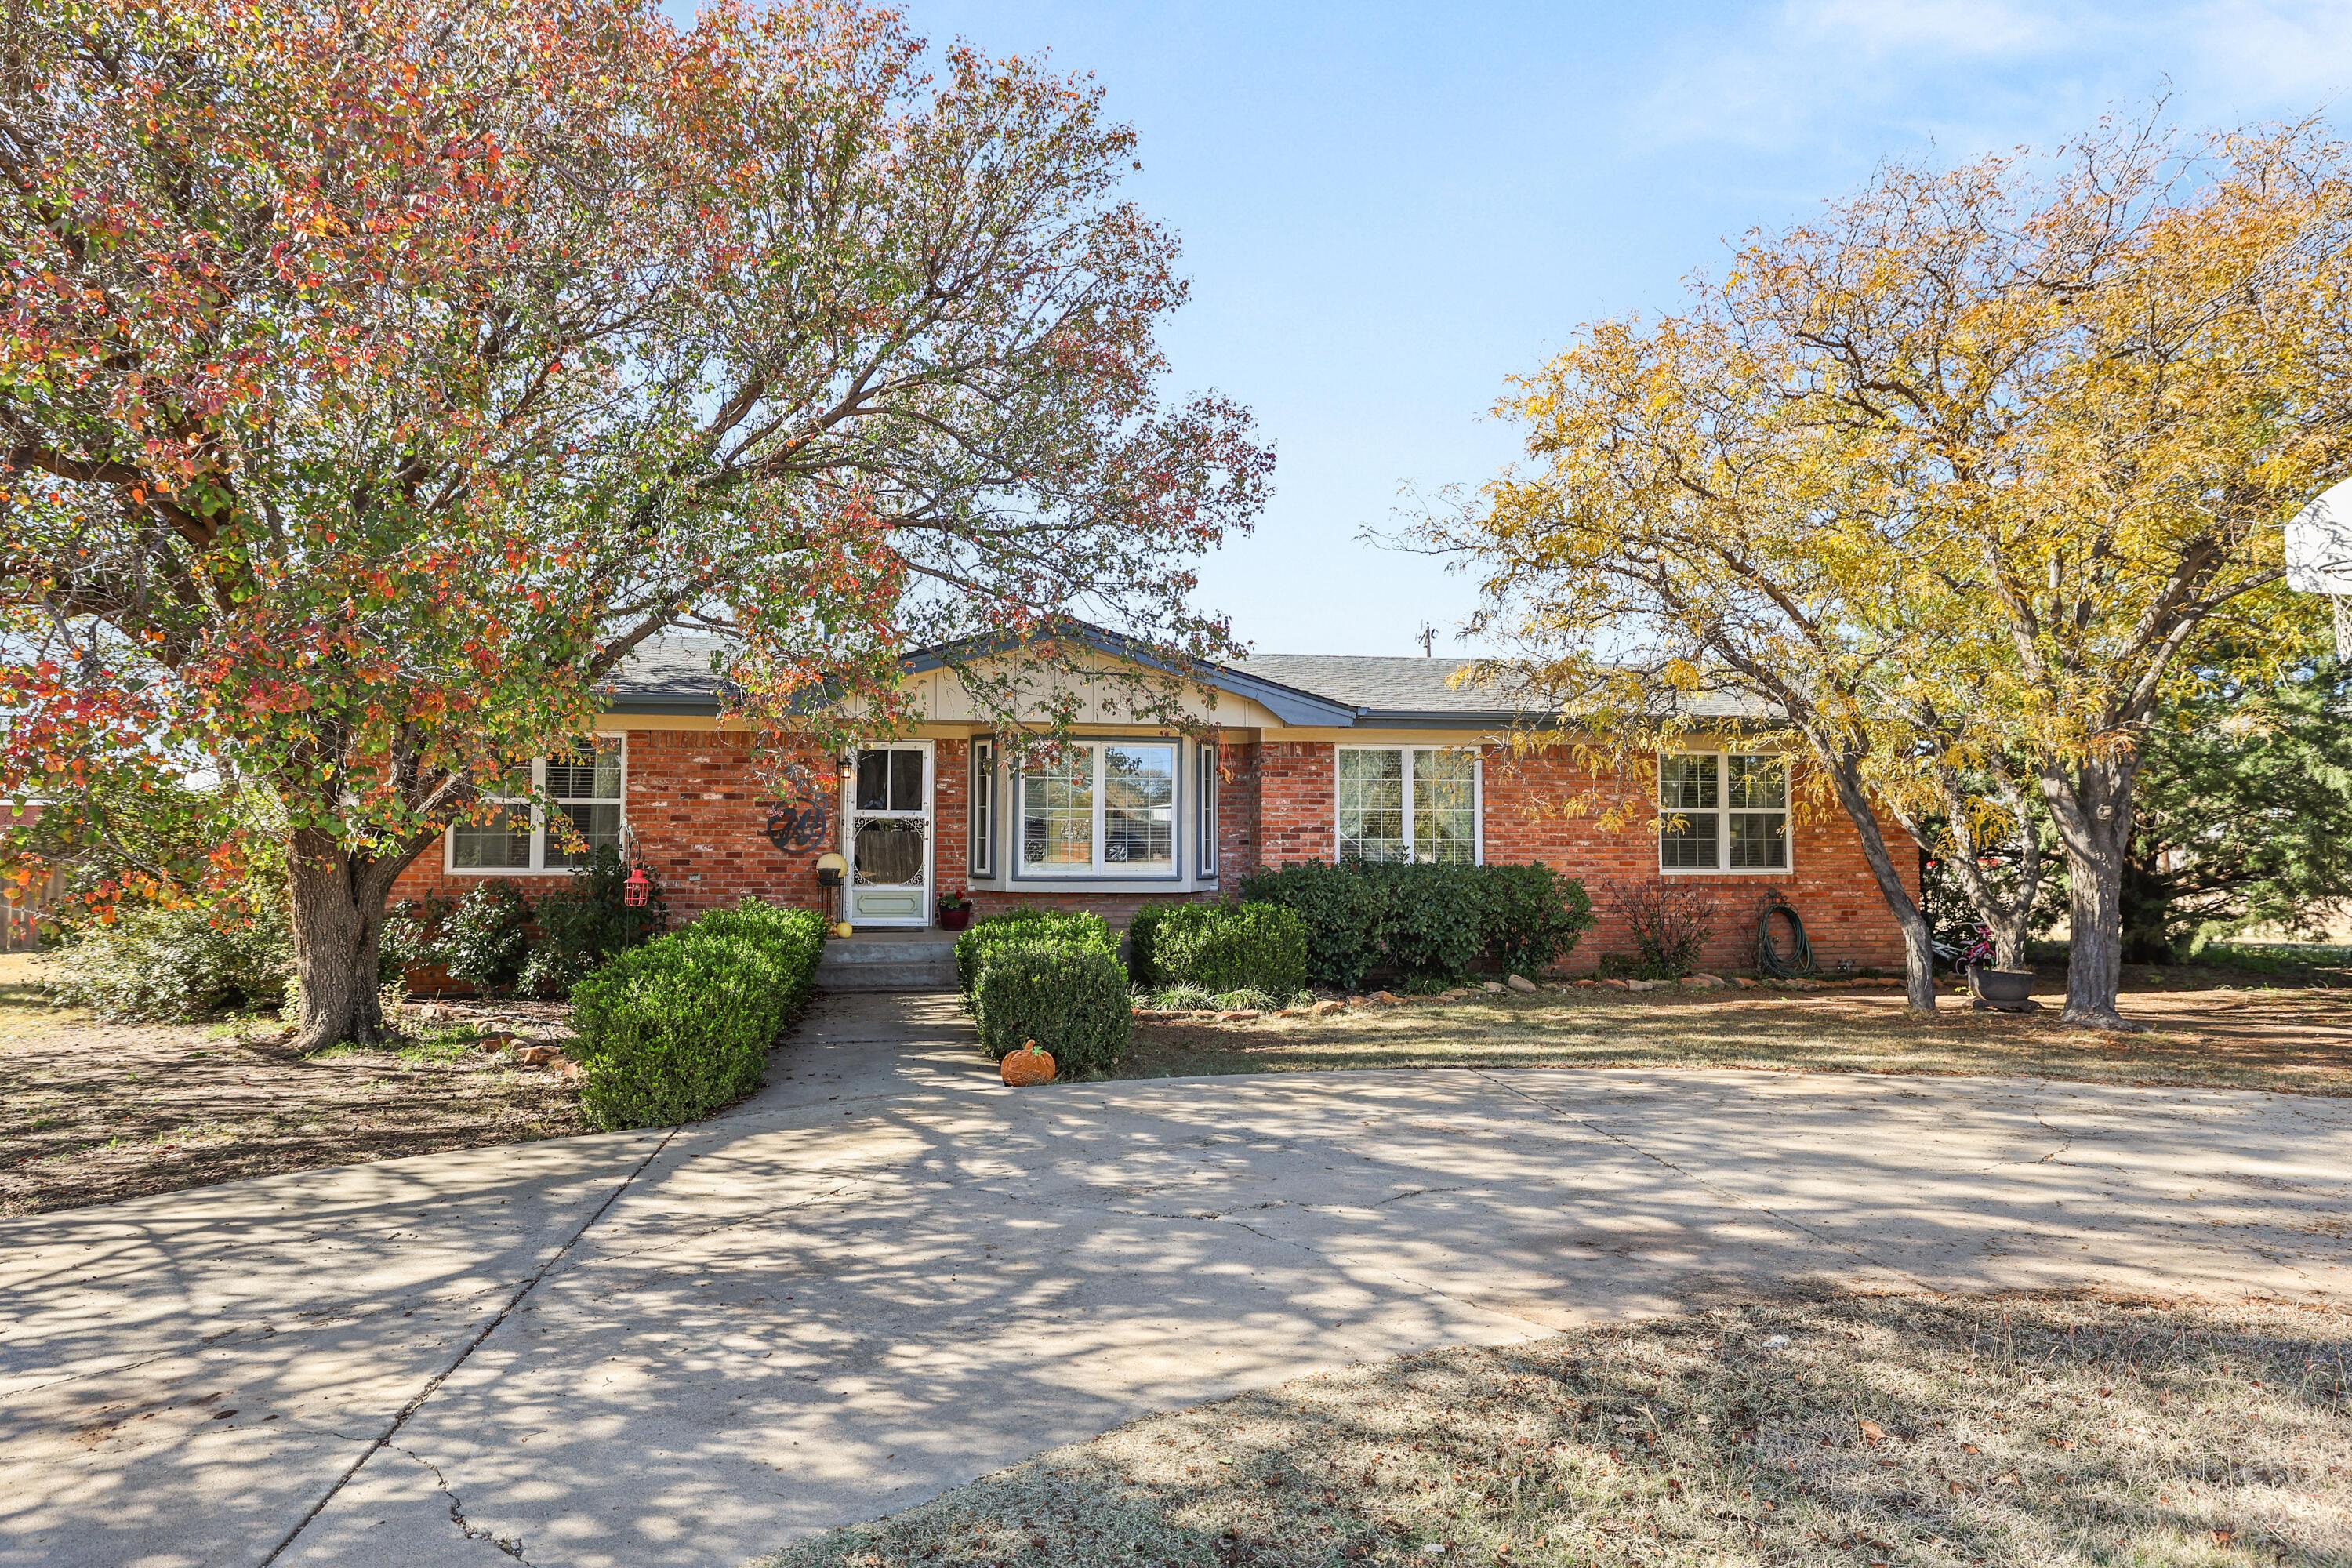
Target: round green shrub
(483, 939)
(1232, 947)
(1342, 907)
(1072, 1000)
(152, 964)
(1068, 927)
(1142, 938)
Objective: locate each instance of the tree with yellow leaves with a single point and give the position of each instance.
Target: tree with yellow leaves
(1964, 473)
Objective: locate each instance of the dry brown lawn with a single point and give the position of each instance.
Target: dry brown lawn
(2292, 1040)
(1907, 1432)
(91, 1112)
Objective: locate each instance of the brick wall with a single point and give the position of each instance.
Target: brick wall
(1238, 811)
(698, 808)
(1526, 820)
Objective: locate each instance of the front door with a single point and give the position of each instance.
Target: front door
(890, 823)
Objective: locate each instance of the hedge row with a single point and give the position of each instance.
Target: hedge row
(1422, 920)
(1048, 975)
(680, 1027)
(1219, 948)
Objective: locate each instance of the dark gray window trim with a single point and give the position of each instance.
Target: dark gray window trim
(1204, 816)
(980, 805)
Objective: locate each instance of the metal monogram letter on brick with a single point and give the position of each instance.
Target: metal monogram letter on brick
(797, 820)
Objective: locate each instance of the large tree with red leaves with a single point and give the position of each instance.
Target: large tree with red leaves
(375, 376)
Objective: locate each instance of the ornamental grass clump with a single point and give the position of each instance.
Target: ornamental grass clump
(679, 1027)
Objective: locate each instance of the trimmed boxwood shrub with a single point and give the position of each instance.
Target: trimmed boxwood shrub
(1534, 916)
(1342, 909)
(680, 1027)
(1142, 939)
(1071, 1000)
(1232, 947)
(1066, 928)
(1423, 922)
(794, 938)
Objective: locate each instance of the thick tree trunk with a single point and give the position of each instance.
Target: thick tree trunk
(2009, 918)
(338, 904)
(2092, 806)
(2009, 938)
(1918, 941)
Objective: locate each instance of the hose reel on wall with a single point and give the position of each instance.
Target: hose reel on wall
(1782, 961)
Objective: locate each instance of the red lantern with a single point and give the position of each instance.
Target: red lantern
(638, 883)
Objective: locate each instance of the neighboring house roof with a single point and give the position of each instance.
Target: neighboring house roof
(673, 674)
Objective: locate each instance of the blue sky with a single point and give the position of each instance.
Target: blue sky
(1387, 209)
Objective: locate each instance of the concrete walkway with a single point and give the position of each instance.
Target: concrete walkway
(888, 1274)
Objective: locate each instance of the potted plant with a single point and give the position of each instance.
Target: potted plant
(955, 911)
(2010, 990)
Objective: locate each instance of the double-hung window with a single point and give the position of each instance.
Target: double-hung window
(557, 818)
(1723, 810)
(1409, 803)
(1100, 809)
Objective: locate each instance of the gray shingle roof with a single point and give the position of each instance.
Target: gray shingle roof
(670, 673)
(673, 674)
(1387, 685)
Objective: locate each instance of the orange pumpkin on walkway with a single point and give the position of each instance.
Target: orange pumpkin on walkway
(1026, 1066)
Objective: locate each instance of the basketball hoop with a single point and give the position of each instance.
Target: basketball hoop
(2319, 556)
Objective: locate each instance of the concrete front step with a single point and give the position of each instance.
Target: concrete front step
(885, 978)
(914, 960)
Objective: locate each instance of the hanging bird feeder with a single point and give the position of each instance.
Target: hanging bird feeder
(639, 885)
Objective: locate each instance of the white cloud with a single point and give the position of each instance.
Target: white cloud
(2281, 59)
(1977, 28)
(1883, 73)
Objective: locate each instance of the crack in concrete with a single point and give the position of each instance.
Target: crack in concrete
(2066, 1139)
(432, 1385)
(466, 1527)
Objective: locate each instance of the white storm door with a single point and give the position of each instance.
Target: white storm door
(889, 818)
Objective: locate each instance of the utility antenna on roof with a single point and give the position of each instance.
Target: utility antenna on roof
(1428, 635)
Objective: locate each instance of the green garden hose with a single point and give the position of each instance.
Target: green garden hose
(1799, 959)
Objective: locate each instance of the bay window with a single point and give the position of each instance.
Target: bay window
(1723, 810)
(1100, 809)
(982, 802)
(1409, 803)
(556, 817)
(1208, 814)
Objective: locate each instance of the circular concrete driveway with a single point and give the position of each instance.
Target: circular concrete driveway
(887, 1275)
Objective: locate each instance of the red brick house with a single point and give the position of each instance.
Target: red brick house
(1314, 758)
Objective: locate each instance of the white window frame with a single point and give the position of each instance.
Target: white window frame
(1205, 816)
(1097, 870)
(1477, 797)
(1723, 810)
(980, 802)
(539, 866)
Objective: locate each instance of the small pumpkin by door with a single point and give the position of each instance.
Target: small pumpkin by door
(1026, 1066)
